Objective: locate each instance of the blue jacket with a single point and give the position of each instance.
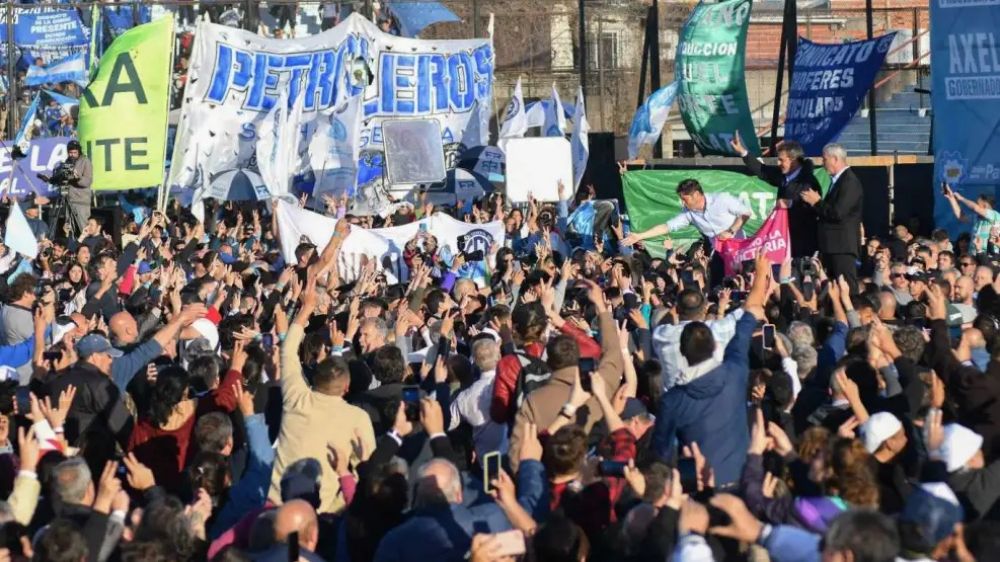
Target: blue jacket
(17, 354)
(251, 491)
(711, 411)
(440, 534)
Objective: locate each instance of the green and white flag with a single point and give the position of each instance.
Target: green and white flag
(713, 95)
(651, 199)
(123, 112)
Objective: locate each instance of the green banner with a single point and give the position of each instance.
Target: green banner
(713, 94)
(651, 199)
(123, 112)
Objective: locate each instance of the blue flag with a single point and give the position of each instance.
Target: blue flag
(26, 121)
(965, 69)
(48, 28)
(413, 17)
(647, 125)
(828, 85)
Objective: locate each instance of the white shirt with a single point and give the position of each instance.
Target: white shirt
(667, 345)
(833, 180)
(472, 406)
(721, 211)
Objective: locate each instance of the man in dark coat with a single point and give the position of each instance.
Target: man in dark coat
(840, 215)
(792, 176)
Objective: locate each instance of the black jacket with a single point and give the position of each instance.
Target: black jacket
(802, 219)
(840, 216)
(98, 408)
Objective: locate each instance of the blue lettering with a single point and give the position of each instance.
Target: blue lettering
(405, 83)
(220, 80)
(462, 82)
(439, 82)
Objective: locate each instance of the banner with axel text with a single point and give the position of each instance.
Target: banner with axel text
(771, 238)
(235, 77)
(965, 94)
(828, 85)
(19, 178)
(713, 95)
(123, 112)
(651, 199)
(384, 245)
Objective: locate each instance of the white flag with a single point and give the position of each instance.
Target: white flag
(555, 116)
(515, 121)
(278, 144)
(18, 236)
(647, 124)
(334, 148)
(477, 132)
(579, 142)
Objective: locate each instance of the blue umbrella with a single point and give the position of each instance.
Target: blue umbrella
(413, 17)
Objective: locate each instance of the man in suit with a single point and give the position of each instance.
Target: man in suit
(839, 215)
(792, 175)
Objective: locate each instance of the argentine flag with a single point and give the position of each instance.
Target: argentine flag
(70, 69)
(649, 119)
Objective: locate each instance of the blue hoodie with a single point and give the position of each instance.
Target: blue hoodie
(711, 410)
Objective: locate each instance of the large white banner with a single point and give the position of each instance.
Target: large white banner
(235, 78)
(385, 245)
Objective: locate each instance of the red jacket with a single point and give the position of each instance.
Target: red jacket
(503, 406)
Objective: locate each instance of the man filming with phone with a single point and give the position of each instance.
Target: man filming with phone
(709, 408)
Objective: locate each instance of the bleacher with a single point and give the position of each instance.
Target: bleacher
(904, 126)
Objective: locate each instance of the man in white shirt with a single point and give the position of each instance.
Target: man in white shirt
(716, 215)
(472, 405)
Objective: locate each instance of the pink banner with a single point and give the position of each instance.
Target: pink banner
(772, 238)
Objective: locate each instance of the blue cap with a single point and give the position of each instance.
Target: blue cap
(226, 258)
(633, 407)
(935, 516)
(144, 268)
(95, 343)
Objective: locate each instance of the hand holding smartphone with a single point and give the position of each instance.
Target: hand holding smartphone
(491, 470)
(411, 402)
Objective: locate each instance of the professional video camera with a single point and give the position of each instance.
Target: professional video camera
(62, 175)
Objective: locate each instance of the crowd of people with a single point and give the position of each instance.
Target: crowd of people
(188, 394)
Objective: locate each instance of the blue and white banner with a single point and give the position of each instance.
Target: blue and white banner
(647, 124)
(965, 94)
(828, 85)
(47, 28)
(70, 69)
(65, 102)
(235, 76)
(27, 122)
(19, 178)
(580, 141)
(120, 19)
(554, 124)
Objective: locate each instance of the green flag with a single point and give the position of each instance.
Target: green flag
(713, 95)
(651, 199)
(123, 112)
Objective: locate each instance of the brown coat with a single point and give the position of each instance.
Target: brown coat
(542, 406)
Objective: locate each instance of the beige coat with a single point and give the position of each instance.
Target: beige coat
(542, 406)
(312, 420)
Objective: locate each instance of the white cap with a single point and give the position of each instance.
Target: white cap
(959, 445)
(59, 331)
(941, 491)
(877, 429)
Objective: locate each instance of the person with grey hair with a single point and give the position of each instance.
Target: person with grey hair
(792, 176)
(840, 213)
(806, 359)
(801, 335)
(373, 334)
(439, 526)
(98, 512)
(472, 405)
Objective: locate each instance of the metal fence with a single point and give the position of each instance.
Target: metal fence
(541, 43)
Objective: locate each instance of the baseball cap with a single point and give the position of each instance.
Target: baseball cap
(917, 276)
(301, 480)
(877, 429)
(958, 446)
(953, 315)
(633, 407)
(60, 329)
(95, 343)
(934, 515)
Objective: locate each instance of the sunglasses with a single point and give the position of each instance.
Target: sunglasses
(895, 275)
(968, 263)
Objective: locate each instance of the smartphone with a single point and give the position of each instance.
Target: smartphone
(587, 367)
(411, 402)
(687, 277)
(444, 347)
(689, 475)
(267, 341)
(615, 469)
(739, 295)
(423, 227)
(491, 470)
(510, 543)
(944, 188)
(768, 336)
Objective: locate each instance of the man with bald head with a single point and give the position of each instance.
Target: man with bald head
(963, 298)
(125, 335)
(439, 524)
(296, 516)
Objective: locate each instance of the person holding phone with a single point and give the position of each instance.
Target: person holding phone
(987, 217)
(710, 407)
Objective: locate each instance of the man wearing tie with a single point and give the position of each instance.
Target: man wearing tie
(839, 215)
(792, 176)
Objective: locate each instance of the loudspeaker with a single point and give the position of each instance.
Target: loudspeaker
(602, 170)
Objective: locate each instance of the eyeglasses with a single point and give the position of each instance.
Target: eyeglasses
(968, 263)
(895, 275)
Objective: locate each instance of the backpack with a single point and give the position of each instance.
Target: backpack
(534, 373)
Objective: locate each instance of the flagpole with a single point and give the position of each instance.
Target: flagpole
(654, 67)
(163, 193)
(11, 78)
